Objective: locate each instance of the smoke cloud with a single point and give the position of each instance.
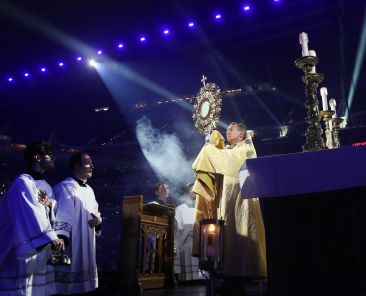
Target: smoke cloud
(164, 153)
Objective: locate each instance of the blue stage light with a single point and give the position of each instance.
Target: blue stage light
(247, 8)
(218, 17)
(191, 24)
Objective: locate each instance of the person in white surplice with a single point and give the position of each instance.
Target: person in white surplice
(78, 221)
(26, 232)
(184, 216)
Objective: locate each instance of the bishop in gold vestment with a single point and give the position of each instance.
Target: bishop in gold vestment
(218, 196)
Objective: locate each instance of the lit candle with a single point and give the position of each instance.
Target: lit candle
(304, 40)
(313, 54)
(324, 94)
(333, 104)
(211, 241)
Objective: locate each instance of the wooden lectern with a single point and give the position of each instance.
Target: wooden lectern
(147, 245)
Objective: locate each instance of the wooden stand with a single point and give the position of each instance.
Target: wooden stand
(147, 245)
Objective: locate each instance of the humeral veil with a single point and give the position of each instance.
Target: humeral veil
(218, 194)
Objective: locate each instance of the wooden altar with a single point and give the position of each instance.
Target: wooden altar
(147, 245)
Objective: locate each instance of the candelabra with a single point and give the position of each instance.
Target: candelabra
(327, 118)
(314, 140)
(336, 123)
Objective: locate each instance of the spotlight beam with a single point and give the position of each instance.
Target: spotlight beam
(70, 42)
(239, 77)
(43, 27)
(111, 72)
(217, 60)
(358, 64)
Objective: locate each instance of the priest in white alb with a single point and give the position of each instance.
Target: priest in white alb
(26, 233)
(78, 221)
(184, 216)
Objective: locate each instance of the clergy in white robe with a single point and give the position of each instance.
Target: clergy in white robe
(184, 216)
(78, 218)
(26, 230)
(161, 191)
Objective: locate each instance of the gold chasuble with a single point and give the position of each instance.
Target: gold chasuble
(217, 188)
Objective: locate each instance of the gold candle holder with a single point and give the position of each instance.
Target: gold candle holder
(313, 134)
(327, 117)
(336, 123)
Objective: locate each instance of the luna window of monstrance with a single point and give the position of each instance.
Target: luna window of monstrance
(207, 109)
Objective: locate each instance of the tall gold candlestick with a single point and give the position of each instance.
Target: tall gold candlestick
(336, 123)
(327, 118)
(314, 140)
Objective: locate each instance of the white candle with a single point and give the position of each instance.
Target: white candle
(324, 94)
(313, 54)
(304, 40)
(333, 104)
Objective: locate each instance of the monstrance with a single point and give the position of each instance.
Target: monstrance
(207, 109)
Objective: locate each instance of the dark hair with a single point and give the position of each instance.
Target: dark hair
(188, 187)
(75, 159)
(40, 148)
(157, 185)
(241, 126)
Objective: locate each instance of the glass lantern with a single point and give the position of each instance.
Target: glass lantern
(211, 245)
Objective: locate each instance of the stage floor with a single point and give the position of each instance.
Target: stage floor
(197, 288)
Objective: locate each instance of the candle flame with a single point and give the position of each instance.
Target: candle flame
(211, 228)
